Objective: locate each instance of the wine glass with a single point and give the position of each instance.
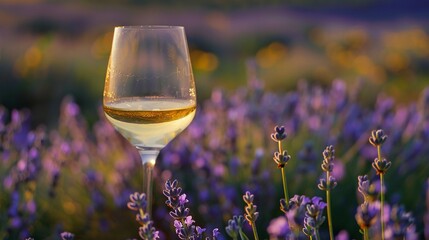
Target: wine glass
(149, 92)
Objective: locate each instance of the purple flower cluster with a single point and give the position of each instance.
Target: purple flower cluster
(314, 217)
(78, 175)
(183, 222)
(138, 203)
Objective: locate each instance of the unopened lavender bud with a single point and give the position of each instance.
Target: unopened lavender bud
(329, 153)
(377, 137)
(284, 207)
(281, 159)
(381, 166)
(248, 198)
(279, 134)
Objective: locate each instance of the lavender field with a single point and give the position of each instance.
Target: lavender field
(333, 99)
(78, 179)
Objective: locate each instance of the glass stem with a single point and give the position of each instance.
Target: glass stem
(148, 157)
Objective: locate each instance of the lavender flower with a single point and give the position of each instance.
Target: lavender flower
(279, 134)
(401, 222)
(183, 222)
(138, 203)
(67, 236)
(380, 165)
(366, 215)
(234, 229)
(279, 228)
(314, 217)
(377, 137)
(369, 190)
(284, 207)
(296, 211)
(251, 215)
(281, 158)
(329, 182)
(364, 186)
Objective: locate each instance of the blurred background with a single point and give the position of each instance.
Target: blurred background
(53, 48)
(71, 175)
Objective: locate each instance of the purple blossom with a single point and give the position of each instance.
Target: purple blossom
(183, 222)
(279, 228)
(279, 134)
(67, 236)
(366, 214)
(377, 137)
(137, 201)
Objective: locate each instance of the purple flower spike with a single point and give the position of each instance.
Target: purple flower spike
(363, 185)
(251, 214)
(314, 216)
(328, 158)
(183, 222)
(234, 226)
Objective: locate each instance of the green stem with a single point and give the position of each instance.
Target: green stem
(317, 234)
(255, 232)
(285, 186)
(284, 177)
(141, 211)
(382, 205)
(328, 202)
(381, 196)
(379, 152)
(365, 234)
(242, 235)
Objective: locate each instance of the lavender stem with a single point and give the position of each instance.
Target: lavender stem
(381, 196)
(328, 202)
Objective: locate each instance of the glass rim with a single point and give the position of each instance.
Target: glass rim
(149, 27)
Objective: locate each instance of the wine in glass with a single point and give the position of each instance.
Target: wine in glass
(149, 92)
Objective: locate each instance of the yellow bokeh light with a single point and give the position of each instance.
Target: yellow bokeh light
(30, 61)
(270, 55)
(396, 62)
(101, 46)
(204, 61)
(33, 57)
(69, 207)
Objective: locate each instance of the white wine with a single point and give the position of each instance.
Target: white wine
(150, 122)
